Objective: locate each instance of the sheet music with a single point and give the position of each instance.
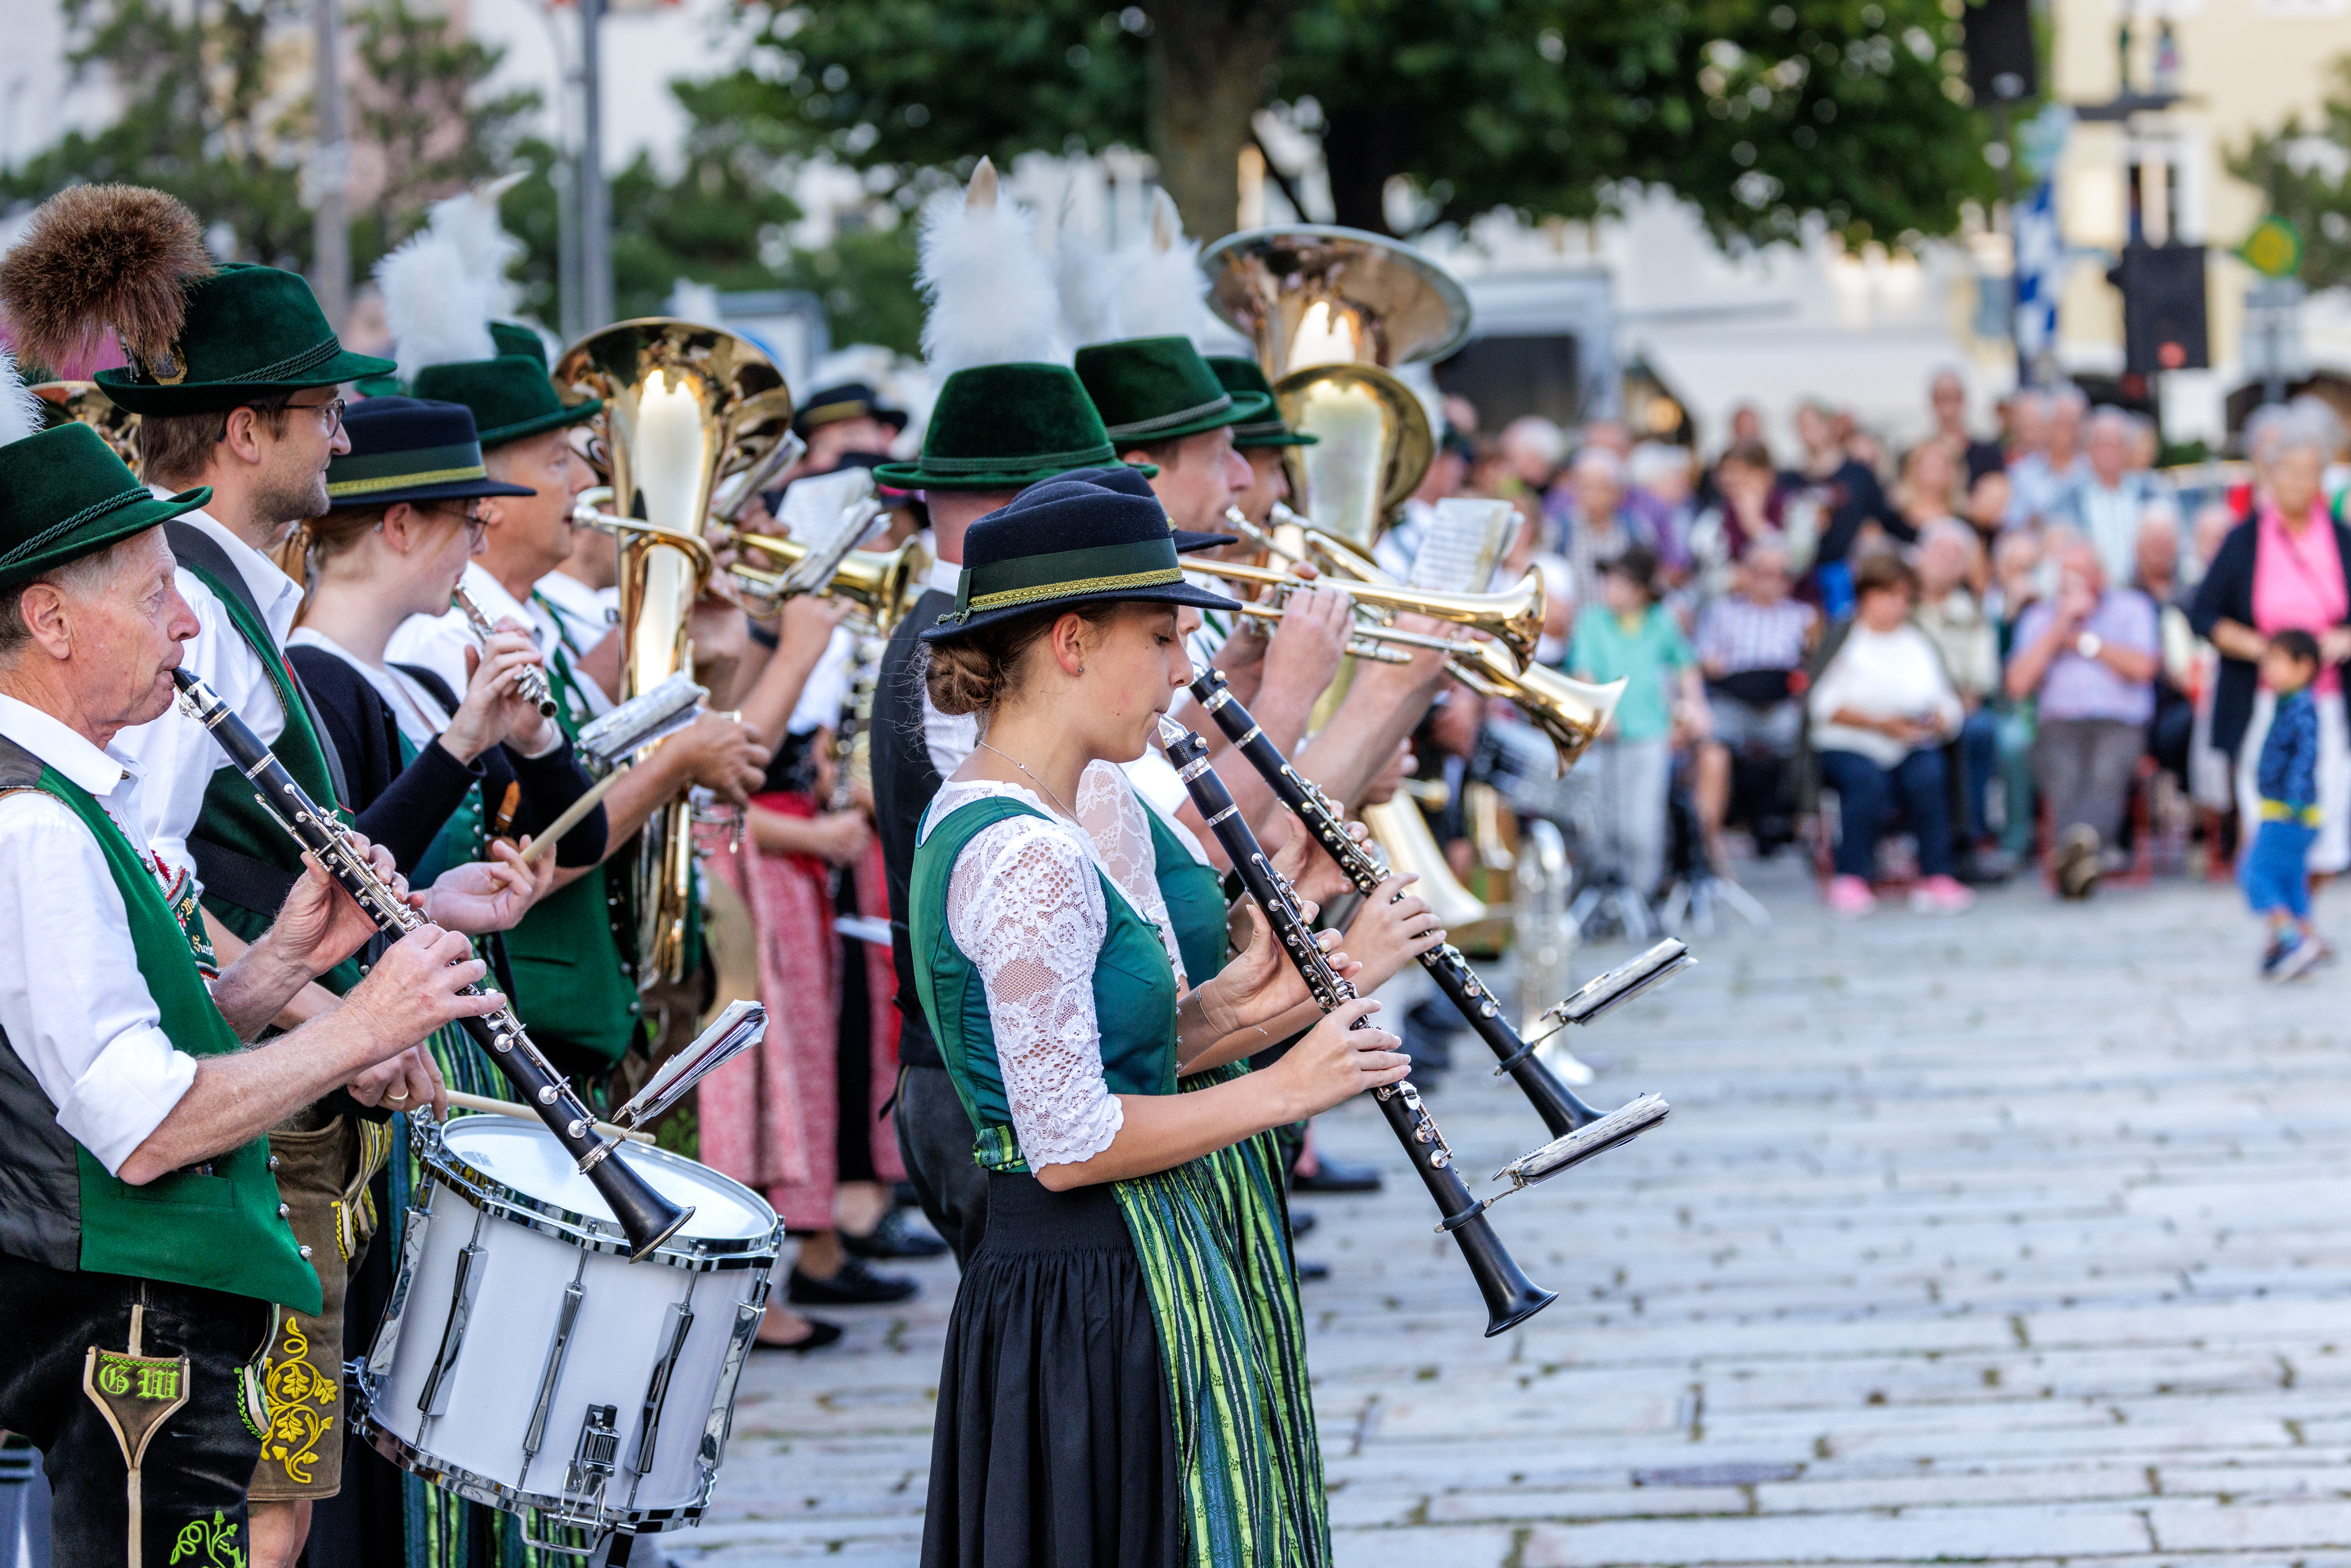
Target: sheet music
(1464, 540)
(817, 508)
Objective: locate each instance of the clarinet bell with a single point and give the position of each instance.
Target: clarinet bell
(1511, 1297)
(646, 1217)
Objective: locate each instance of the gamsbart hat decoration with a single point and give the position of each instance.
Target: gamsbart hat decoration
(200, 338)
(408, 449)
(1149, 390)
(1237, 375)
(1063, 544)
(64, 494)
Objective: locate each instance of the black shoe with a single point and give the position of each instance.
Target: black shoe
(1301, 1223)
(821, 1334)
(856, 1285)
(898, 1235)
(1338, 1176)
(1310, 1269)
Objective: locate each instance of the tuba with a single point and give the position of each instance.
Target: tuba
(86, 402)
(686, 407)
(1333, 311)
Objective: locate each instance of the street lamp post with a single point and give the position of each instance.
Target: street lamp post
(330, 239)
(594, 209)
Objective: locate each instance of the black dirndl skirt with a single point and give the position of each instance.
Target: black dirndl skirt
(1053, 1447)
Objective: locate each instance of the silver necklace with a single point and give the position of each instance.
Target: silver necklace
(1032, 778)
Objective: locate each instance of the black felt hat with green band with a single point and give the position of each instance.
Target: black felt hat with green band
(1236, 376)
(1149, 390)
(511, 396)
(406, 449)
(1063, 544)
(64, 495)
(249, 332)
(1005, 427)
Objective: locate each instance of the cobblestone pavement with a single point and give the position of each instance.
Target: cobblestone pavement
(2014, 1237)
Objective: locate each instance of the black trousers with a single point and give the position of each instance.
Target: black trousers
(196, 1467)
(934, 1137)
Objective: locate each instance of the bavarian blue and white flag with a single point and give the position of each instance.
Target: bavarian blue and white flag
(2040, 272)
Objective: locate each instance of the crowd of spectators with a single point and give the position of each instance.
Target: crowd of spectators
(1950, 664)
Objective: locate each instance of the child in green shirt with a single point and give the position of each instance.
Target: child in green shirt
(1630, 635)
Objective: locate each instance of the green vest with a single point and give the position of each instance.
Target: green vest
(234, 817)
(1196, 902)
(575, 986)
(217, 1232)
(1134, 986)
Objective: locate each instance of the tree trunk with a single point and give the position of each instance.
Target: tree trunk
(1361, 147)
(1211, 63)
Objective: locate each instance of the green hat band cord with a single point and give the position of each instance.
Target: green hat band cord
(1065, 574)
(96, 510)
(1083, 457)
(318, 354)
(1222, 402)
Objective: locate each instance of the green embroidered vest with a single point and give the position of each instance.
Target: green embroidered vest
(575, 985)
(1133, 987)
(219, 1231)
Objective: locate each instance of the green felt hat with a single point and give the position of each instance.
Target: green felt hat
(1150, 390)
(1236, 376)
(64, 495)
(515, 337)
(1004, 427)
(249, 332)
(511, 396)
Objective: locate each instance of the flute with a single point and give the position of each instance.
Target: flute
(646, 1217)
(530, 680)
(1562, 1112)
(1511, 1297)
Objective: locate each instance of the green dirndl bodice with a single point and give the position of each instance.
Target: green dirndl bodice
(1207, 1237)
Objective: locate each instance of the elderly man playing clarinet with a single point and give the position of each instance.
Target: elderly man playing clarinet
(144, 1249)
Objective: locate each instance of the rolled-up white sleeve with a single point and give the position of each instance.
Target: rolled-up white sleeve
(74, 1004)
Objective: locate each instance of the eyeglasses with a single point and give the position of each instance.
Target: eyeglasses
(330, 413)
(468, 514)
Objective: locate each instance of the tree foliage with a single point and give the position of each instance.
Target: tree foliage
(2306, 173)
(1761, 112)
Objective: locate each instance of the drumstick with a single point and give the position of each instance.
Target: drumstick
(545, 844)
(524, 1114)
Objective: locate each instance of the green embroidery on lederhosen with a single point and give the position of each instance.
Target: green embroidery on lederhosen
(218, 1540)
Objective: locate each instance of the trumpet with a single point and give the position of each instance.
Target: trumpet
(883, 585)
(531, 679)
(1515, 615)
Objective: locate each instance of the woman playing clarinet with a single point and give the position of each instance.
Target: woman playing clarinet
(1106, 1397)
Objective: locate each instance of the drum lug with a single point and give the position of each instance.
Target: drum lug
(674, 1331)
(567, 1317)
(435, 1398)
(395, 1309)
(720, 1422)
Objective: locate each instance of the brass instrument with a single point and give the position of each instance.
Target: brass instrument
(685, 406)
(882, 584)
(86, 402)
(1515, 615)
(1333, 311)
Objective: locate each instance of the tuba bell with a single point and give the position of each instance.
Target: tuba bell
(686, 407)
(86, 402)
(1332, 312)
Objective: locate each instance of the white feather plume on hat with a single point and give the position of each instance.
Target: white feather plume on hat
(991, 294)
(20, 411)
(1088, 287)
(447, 282)
(1160, 291)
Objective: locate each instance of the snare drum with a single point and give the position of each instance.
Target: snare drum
(525, 1362)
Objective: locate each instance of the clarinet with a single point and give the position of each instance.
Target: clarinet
(646, 1217)
(530, 680)
(1561, 1110)
(1511, 1297)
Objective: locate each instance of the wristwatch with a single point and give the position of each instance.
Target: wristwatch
(2088, 643)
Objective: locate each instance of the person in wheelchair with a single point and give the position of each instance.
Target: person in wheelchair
(1752, 644)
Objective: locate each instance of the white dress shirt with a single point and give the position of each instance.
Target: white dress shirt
(949, 738)
(74, 1004)
(584, 615)
(438, 642)
(176, 756)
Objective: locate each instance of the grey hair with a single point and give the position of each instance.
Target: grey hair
(2070, 397)
(2306, 425)
(2111, 418)
(1602, 461)
(1948, 528)
(82, 578)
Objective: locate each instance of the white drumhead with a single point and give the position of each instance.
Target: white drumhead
(527, 1158)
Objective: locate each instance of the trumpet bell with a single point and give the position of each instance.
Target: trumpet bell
(86, 402)
(1570, 712)
(883, 585)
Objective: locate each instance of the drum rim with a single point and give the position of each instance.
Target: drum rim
(477, 1488)
(501, 1200)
